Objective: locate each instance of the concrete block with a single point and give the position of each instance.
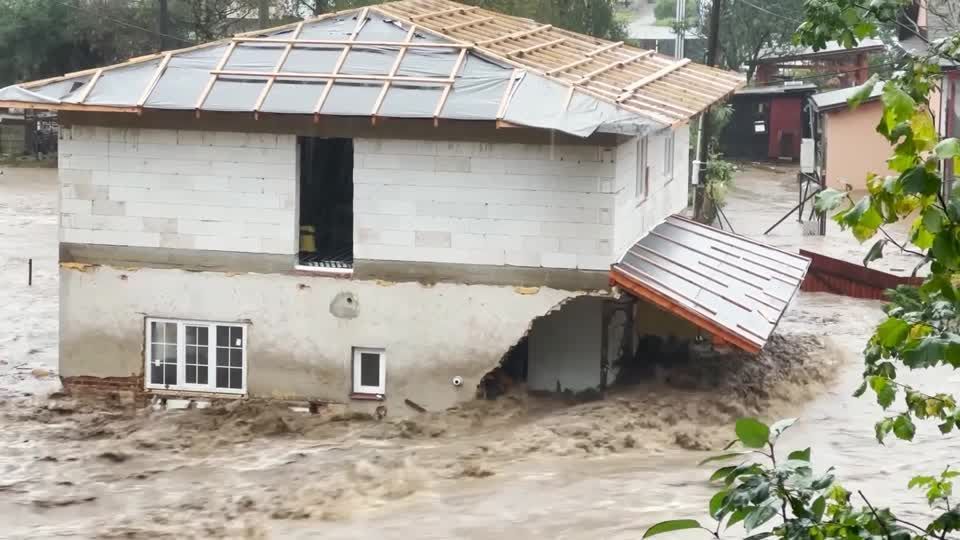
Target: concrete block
(374, 206)
(584, 246)
(577, 230)
(223, 243)
(522, 258)
(399, 161)
(452, 209)
(595, 262)
(84, 191)
(125, 238)
(109, 208)
(432, 239)
(110, 223)
(503, 241)
(452, 164)
(279, 245)
(75, 176)
(558, 260)
(467, 241)
(159, 225)
(158, 136)
(516, 227)
(606, 216)
(176, 241)
(540, 243)
(189, 138)
(76, 206)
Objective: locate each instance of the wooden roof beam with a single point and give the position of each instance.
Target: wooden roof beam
(630, 90)
(356, 44)
(279, 65)
(608, 67)
(361, 20)
(452, 11)
(393, 72)
(588, 58)
(515, 35)
(465, 24)
(154, 80)
(537, 47)
(85, 93)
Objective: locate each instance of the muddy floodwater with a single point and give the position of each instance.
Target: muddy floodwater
(515, 468)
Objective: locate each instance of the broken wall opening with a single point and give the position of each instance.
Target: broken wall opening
(326, 202)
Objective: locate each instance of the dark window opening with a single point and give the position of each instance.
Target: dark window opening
(326, 203)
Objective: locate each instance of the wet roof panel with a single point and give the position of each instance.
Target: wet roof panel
(733, 287)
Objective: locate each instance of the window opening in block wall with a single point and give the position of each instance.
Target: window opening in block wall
(643, 170)
(179, 356)
(326, 203)
(669, 156)
(369, 371)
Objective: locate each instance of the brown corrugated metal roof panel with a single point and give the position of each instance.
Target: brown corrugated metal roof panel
(733, 287)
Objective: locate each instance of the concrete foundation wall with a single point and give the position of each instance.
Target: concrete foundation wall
(667, 195)
(209, 190)
(564, 347)
(296, 346)
(480, 203)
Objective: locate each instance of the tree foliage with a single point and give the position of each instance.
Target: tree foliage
(754, 29)
(922, 325)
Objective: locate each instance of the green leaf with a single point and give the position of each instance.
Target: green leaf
(945, 249)
(863, 93)
(883, 427)
(828, 200)
(860, 389)
(933, 219)
(759, 516)
(876, 252)
(863, 218)
(722, 473)
(892, 332)
(920, 481)
(924, 132)
(738, 516)
(752, 433)
(800, 455)
(818, 507)
(780, 426)
(920, 181)
(722, 457)
(884, 389)
(717, 503)
(947, 148)
(672, 525)
(903, 428)
(898, 105)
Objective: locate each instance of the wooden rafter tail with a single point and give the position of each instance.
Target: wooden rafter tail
(630, 90)
(153, 81)
(449, 87)
(354, 44)
(89, 88)
(515, 35)
(361, 20)
(213, 76)
(393, 72)
(451, 11)
(277, 67)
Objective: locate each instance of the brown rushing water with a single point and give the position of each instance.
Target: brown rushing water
(516, 468)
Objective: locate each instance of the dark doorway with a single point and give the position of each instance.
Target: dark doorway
(326, 202)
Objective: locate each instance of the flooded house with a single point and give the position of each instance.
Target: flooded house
(378, 206)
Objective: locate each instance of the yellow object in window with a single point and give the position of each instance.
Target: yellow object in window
(308, 239)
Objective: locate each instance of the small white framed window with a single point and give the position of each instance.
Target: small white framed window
(669, 156)
(369, 371)
(199, 356)
(643, 170)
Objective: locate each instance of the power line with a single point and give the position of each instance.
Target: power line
(768, 12)
(121, 22)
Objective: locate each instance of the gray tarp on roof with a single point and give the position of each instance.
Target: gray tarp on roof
(476, 94)
(727, 284)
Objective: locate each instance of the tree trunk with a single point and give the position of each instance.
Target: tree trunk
(263, 14)
(701, 206)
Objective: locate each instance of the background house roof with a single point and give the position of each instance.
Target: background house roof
(411, 59)
(838, 98)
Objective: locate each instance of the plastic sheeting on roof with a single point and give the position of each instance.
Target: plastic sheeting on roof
(476, 93)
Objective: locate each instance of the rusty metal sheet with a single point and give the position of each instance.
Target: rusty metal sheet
(731, 286)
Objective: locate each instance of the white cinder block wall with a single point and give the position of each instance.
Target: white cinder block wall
(559, 206)
(480, 203)
(178, 189)
(634, 217)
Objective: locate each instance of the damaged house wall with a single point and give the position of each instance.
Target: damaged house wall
(564, 347)
(297, 347)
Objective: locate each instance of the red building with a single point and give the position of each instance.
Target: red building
(768, 122)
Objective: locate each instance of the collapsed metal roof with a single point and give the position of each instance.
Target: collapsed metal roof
(733, 287)
(430, 59)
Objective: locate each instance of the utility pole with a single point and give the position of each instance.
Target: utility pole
(703, 144)
(163, 25)
(680, 28)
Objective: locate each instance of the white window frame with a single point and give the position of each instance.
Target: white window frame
(642, 187)
(355, 372)
(182, 385)
(669, 156)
